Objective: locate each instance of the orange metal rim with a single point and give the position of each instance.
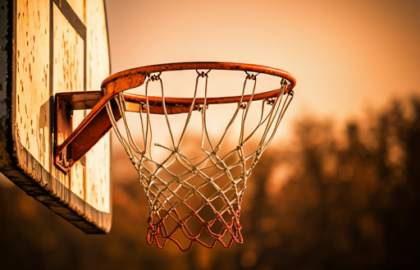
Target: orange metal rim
(203, 65)
(135, 77)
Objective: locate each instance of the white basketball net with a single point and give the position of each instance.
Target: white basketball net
(201, 197)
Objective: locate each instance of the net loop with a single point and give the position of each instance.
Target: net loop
(200, 107)
(203, 74)
(251, 76)
(243, 105)
(270, 101)
(155, 77)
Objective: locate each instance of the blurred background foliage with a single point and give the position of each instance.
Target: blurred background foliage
(327, 199)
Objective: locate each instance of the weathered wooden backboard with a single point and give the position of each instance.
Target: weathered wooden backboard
(47, 47)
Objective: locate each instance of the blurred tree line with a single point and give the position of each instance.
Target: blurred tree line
(327, 200)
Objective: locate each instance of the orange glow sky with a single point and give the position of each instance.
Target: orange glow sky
(345, 55)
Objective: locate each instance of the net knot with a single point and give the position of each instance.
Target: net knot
(200, 107)
(251, 76)
(284, 82)
(291, 93)
(271, 101)
(155, 77)
(203, 74)
(143, 106)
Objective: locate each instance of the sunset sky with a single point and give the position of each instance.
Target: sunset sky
(346, 55)
(327, 198)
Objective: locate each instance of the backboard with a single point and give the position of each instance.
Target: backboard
(48, 47)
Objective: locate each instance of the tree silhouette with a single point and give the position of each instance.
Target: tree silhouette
(327, 200)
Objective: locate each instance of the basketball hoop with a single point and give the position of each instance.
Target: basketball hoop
(180, 201)
(52, 119)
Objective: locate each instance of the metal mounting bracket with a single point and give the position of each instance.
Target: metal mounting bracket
(72, 144)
